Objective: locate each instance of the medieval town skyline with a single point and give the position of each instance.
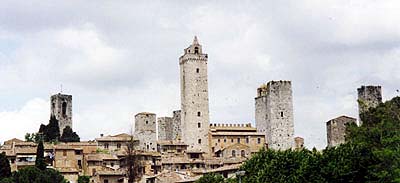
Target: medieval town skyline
(116, 73)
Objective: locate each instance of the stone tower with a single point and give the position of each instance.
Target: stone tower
(336, 130)
(61, 108)
(145, 131)
(274, 114)
(368, 96)
(194, 98)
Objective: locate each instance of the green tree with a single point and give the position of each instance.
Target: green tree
(34, 175)
(211, 178)
(83, 179)
(40, 161)
(69, 136)
(5, 170)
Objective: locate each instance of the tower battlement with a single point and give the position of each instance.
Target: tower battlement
(264, 89)
(230, 125)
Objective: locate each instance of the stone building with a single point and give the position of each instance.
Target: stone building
(368, 96)
(61, 108)
(274, 114)
(336, 129)
(145, 131)
(114, 143)
(164, 125)
(169, 128)
(298, 143)
(194, 98)
(235, 140)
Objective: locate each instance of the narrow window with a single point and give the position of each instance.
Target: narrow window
(247, 140)
(198, 125)
(258, 140)
(147, 122)
(282, 114)
(196, 50)
(64, 108)
(219, 140)
(118, 146)
(233, 153)
(225, 139)
(238, 140)
(106, 146)
(232, 140)
(199, 141)
(198, 113)
(243, 153)
(197, 70)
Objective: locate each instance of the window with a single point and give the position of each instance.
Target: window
(112, 164)
(198, 113)
(199, 141)
(198, 125)
(197, 70)
(147, 122)
(105, 180)
(64, 108)
(106, 146)
(233, 153)
(118, 146)
(232, 140)
(224, 139)
(238, 140)
(243, 153)
(219, 140)
(258, 140)
(196, 50)
(282, 114)
(80, 164)
(64, 152)
(247, 140)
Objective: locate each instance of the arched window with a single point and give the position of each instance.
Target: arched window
(243, 153)
(233, 153)
(64, 108)
(196, 50)
(198, 113)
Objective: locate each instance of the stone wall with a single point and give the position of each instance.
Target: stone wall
(145, 131)
(176, 125)
(336, 130)
(274, 114)
(61, 108)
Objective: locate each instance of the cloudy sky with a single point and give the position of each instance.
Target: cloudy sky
(118, 58)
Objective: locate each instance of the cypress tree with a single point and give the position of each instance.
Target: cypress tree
(5, 169)
(40, 161)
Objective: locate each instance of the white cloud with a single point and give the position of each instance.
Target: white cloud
(27, 119)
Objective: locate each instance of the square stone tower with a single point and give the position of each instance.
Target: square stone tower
(145, 131)
(61, 108)
(274, 114)
(194, 98)
(336, 130)
(165, 128)
(368, 96)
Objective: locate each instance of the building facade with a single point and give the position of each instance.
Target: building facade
(61, 108)
(274, 114)
(194, 98)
